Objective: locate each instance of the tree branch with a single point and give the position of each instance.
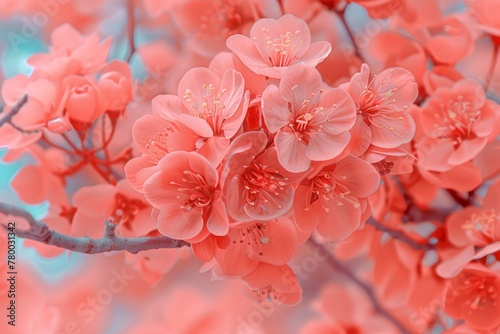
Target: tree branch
(398, 235)
(343, 269)
(40, 232)
(12, 112)
(130, 29)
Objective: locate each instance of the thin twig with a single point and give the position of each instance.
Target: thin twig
(130, 28)
(12, 112)
(491, 70)
(343, 269)
(40, 232)
(408, 199)
(457, 198)
(398, 235)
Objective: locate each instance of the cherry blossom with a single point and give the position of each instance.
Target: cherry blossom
(311, 123)
(274, 45)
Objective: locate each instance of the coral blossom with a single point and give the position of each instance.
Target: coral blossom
(184, 190)
(310, 121)
(382, 103)
(474, 295)
(256, 185)
(334, 198)
(458, 122)
(274, 45)
(213, 107)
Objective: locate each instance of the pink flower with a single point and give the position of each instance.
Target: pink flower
(274, 242)
(382, 104)
(474, 295)
(474, 225)
(184, 190)
(116, 83)
(43, 176)
(439, 76)
(334, 198)
(85, 102)
(95, 204)
(155, 137)
(393, 49)
(458, 122)
(213, 107)
(207, 23)
(274, 45)
(485, 12)
(86, 53)
(47, 97)
(256, 185)
(310, 123)
(447, 41)
(271, 285)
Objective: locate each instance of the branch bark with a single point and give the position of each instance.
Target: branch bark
(130, 29)
(40, 232)
(398, 235)
(12, 112)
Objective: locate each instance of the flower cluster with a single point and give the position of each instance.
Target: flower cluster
(247, 197)
(71, 87)
(265, 131)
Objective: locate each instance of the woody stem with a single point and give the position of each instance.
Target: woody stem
(40, 232)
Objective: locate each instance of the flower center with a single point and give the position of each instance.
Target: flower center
(157, 144)
(325, 188)
(480, 228)
(282, 51)
(256, 234)
(305, 119)
(128, 209)
(267, 296)
(375, 105)
(223, 17)
(455, 120)
(210, 106)
(482, 292)
(262, 184)
(194, 191)
(384, 167)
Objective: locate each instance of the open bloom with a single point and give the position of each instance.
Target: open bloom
(381, 104)
(155, 137)
(274, 242)
(334, 199)
(86, 53)
(184, 190)
(272, 284)
(474, 295)
(207, 24)
(474, 225)
(458, 122)
(256, 186)
(213, 107)
(95, 204)
(311, 123)
(485, 12)
(274, 45)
